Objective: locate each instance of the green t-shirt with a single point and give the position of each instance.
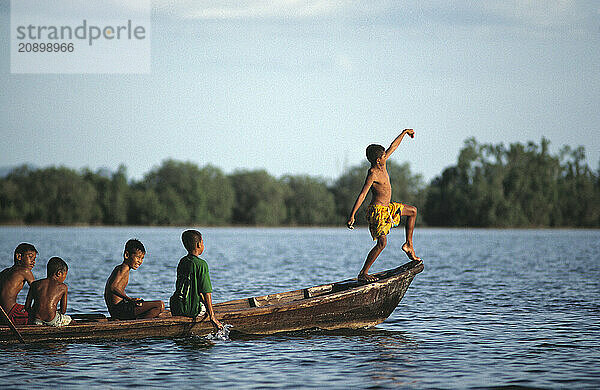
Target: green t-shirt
(192, 280)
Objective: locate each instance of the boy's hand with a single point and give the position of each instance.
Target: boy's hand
(216, 323)
(350, 223)
(410, 132)
(137, 301)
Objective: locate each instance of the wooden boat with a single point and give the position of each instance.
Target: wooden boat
(348, 304)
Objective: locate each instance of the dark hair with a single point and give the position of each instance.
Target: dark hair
(22, 248)
(190, 239)
(134, 245)
(54, 265)
(374, 152)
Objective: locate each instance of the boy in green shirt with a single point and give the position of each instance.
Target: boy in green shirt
(193, 290)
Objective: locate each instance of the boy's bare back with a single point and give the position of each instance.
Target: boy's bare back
(46, 294)
(12, 281)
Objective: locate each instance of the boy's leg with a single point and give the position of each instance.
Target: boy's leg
(149, 309)
(411, 213)
(371, 257)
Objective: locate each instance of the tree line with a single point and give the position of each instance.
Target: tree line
(515, 186)
(490, 186)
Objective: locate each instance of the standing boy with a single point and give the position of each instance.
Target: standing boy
(13, 279)
(381, 214)
(120, 306)
(193, 290)
(45, 295)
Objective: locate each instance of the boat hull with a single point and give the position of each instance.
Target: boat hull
(344, 305)
(355, 308)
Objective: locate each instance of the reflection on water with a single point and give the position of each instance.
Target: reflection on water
(194, 343)
(492, 308)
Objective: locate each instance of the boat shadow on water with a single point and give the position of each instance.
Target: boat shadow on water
(316, 333)
(372, 339)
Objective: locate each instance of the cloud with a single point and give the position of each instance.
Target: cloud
(250, 9)
(516, 13)
(539, 13)
(344, 63)
(129, 6)
(84, 9)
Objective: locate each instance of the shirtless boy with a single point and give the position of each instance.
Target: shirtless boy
(120, 305)
(381, 214)
(13, 279)
(45, 295)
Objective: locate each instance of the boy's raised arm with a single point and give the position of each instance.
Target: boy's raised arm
(361, 197)
(395, 143)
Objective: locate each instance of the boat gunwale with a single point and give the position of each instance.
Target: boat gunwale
(332, 296)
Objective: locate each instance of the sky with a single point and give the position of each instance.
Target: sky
(302, 87)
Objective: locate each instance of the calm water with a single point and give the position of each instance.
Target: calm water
(492, 308)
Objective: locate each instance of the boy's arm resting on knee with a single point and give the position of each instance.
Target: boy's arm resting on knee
(115, 287)
(361, 198)
(121, 294)
(396, 142)
(29, 300)
(210, 311)
(63, 301)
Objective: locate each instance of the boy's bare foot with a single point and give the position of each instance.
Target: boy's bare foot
(367, 278)
(410, 252)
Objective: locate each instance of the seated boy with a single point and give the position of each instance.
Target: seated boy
(120, 306)
(45, 294)
(13, 279)
(193, 290)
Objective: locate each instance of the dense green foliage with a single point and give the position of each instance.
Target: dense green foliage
(518, 186)
(491, 185)
(259, 198)
(178, 193)
(309, 202)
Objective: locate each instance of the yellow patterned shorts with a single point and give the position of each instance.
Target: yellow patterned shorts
(382, 218)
